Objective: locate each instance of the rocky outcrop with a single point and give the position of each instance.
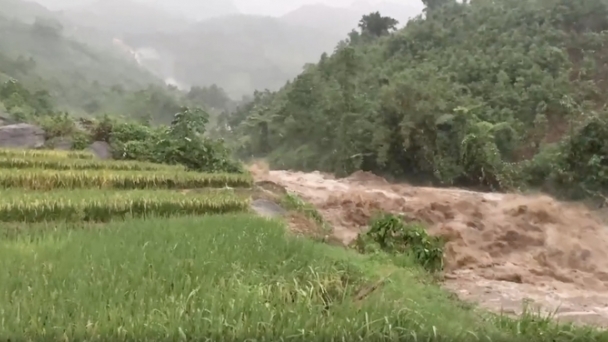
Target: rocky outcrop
(101, 149)
(31, 136)
(267, 208)
(21, 136)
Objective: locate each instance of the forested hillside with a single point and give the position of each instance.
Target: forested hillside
(71, 69)
(492, 94)
(37, 49)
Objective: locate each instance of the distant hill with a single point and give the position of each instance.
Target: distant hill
(41, 51)
(240, 53)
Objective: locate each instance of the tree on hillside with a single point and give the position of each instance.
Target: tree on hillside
(20, 101)
(354, 37)
(377, 25)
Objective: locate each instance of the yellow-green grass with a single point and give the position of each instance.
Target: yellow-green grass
(107, 205)
(36, 179)
(54, 163)
(14, 152)
(227, 278)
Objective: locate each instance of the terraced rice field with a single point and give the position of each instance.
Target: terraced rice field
(42, 186)
(110, 251)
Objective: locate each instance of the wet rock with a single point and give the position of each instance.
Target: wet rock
(267, 208)
(101, 149)
(22, 136)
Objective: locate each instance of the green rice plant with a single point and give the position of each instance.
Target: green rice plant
(228, 278)
(55, 163)
(104, 206)
(53, 179)
(14, 152)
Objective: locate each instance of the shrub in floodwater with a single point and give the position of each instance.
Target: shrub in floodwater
(390, 234)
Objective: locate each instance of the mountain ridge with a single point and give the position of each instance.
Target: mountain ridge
(41, 51)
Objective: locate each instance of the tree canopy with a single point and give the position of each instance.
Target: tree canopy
(377, 25)
(492, 94)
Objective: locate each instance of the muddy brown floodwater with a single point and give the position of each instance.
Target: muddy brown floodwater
(502, 249)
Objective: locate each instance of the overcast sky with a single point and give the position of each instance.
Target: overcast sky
(262, 7)
(280, 7)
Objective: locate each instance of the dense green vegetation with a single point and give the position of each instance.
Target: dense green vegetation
(181, 142)
(488, 94)
(86, 96)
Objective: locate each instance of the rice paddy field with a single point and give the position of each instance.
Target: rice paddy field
(110, 251)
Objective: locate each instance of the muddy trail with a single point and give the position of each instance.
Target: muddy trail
(502, 250)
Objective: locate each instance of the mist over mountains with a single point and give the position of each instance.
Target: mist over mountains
(200, 43)
(192, 9)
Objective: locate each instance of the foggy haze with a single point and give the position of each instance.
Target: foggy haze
(259, 7)
(237, 45)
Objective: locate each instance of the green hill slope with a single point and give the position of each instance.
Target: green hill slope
(488, 94)
(37, 49)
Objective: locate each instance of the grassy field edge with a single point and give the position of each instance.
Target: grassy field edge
(233, 276)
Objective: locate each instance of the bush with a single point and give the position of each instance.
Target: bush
(182, 142)
(578, 165)
(391, 235)
(58, 125)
